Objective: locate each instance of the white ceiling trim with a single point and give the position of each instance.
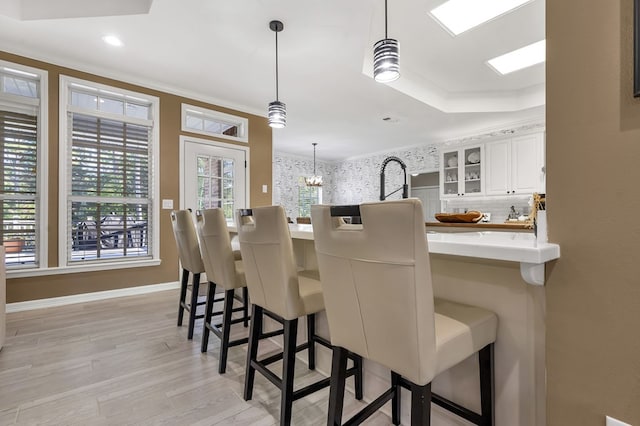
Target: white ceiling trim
(411, 84)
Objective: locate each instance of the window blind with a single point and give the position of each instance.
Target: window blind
(109, 188)
(18, 193)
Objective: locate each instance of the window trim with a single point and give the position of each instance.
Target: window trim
(63, 184)
(42, 194)
(243, 123)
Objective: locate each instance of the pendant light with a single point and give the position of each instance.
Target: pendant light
(314, 180)
(386, 56)
(277, 109)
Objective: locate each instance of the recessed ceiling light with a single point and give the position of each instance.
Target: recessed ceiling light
(518, 59)
(458, 16)
(112, 40)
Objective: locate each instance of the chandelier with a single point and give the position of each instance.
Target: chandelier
(314, 180)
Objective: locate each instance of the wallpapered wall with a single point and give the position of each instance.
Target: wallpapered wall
(358, 180)
(287, 170)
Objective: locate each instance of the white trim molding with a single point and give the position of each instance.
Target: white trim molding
(204, 114)
(89, 297)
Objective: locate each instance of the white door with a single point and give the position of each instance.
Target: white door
(213, 175)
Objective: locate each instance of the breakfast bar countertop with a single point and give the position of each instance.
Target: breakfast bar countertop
(507, 246)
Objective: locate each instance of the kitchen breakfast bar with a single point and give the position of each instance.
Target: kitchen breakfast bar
(501, 271)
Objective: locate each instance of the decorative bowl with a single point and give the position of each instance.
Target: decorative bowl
(472, 216)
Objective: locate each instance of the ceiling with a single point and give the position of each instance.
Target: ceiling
(223, 52)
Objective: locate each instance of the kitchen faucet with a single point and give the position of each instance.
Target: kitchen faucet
(405, 187)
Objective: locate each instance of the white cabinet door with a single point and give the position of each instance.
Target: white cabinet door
(462, 172)
(449, 171)
(498, 167)
(527, 159)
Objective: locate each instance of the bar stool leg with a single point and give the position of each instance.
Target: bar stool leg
(397, 398)
(194, 305)
(420, 405)
(183, 295)
(337, 385)
(208, 313)
(311, 342)
(288, 370)
(245, 307)
(252, 351)
(226, 330)
(358, 378)
(487, 385)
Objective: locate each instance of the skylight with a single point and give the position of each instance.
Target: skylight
(518, 59)
(458, 16)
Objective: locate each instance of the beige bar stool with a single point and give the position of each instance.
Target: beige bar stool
(279, 291)
(376, 280)
(189, 253)
(224, 270)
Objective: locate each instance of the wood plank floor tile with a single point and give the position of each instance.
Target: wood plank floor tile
(125, 362)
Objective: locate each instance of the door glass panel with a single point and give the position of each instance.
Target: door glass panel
(214, 177)
(213, 190)
(472, 176)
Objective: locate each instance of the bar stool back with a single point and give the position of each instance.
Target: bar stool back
(379, 300)
(277, 289)
(223, 270)
(191, 262)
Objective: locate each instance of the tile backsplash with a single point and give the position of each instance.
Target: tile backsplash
(499, 208)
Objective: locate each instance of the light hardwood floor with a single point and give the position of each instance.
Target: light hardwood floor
(124, 361)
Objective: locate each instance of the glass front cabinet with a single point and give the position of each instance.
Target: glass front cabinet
(462, 172)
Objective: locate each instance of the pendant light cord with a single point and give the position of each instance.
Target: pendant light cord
(314, 158)
(277, 65)
(385, 19)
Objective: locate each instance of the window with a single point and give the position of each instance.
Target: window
(214, 123)
(307, 196)
(22, 161)
(107, 177)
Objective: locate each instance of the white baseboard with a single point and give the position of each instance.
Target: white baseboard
(89, 297)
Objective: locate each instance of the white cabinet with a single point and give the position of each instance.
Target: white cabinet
(462, 172)
(515, 166)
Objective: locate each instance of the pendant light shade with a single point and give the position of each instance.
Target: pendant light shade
(277, 109)
(277, 114)
(314, 180)
(386, 56)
